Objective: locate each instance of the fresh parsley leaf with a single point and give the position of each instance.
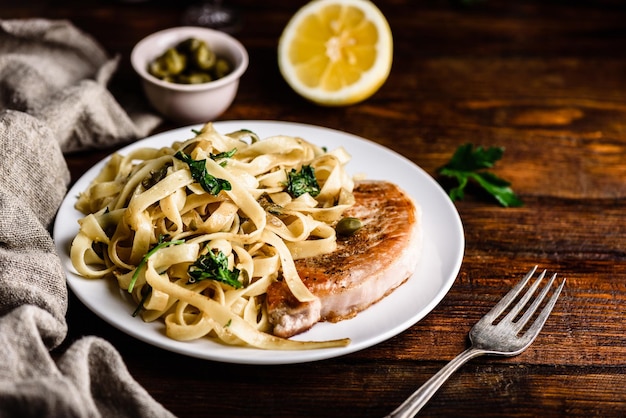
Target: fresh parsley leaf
(143, 300)
(209, 182)
(223, 156)
(161, 244)
(304, 181)
(469, 163)
(214, 266)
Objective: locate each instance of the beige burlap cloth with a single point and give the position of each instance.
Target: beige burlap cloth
(53, 99)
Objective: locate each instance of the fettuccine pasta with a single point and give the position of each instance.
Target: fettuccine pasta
(197, 231)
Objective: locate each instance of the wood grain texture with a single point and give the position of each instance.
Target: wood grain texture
(544, 79)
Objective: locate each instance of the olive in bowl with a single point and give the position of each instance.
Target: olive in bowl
(190, 74)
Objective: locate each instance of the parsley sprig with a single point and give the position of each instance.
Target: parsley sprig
(223, 155)
(469, 163)
(214, 265)
(199, 173)
(143, 300)
(161, 244)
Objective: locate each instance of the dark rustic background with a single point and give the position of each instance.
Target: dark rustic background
(544, 79)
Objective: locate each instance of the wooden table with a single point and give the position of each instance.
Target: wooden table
(545, 80)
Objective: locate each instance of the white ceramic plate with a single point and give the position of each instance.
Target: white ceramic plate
(444, 244)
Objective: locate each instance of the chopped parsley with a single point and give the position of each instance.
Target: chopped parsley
(161, 244)
(214, 266)
(143, 300)
(468, 164)
(209, 183)
(304, 181)
(223, 155)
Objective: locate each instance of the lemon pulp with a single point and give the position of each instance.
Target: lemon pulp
(336, 52)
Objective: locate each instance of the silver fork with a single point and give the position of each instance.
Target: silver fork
(503, 338)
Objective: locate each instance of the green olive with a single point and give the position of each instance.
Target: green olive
(188, 45)
(156, 69)
(173, 61)
(190, 62)
(195, 78)
(222, 68)
(348, 226)
(203, 57)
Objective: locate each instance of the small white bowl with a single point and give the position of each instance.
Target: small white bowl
(190, 103)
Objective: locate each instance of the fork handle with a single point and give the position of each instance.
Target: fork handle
(418, 399)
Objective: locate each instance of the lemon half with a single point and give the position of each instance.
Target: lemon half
(336, 52)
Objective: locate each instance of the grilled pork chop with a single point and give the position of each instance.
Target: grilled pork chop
(364, 268)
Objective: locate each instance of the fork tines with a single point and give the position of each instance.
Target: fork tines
(507, 301)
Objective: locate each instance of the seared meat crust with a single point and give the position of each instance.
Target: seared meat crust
(364, 268)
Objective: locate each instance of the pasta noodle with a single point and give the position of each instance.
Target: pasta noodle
(197, 231)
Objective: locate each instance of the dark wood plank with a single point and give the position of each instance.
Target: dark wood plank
(545, 80)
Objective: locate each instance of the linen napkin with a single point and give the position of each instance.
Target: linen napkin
(53, 99)
(55, 72)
